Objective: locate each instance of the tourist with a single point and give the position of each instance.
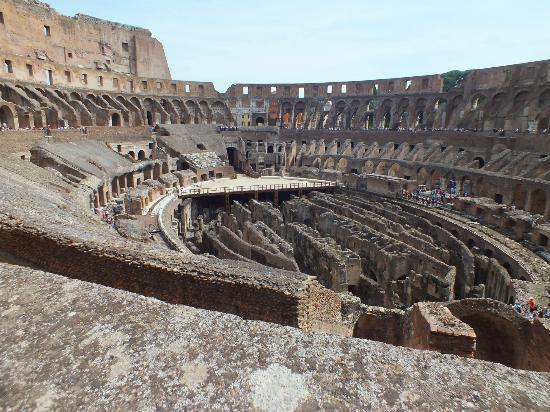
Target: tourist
(532, 305)
(547, 311)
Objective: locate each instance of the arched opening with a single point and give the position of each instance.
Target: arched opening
(381, 169)
(115, 120)
(422, 176)
(387, 120)
(538, 202)
(480, 162)
(299, 110)
(343, 165)
(496, 338)
(132, 154)
(436, 179)
(141, 155)
(519, 196)
(543, 124)
(369, 121)
(6, 117)
(260, 121)
(419, 119)
(395, 170)
(165, 168)
(149, 118)
(329, 163)
(544, 98)
(368, 167)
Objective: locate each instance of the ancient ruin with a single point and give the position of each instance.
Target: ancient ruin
(373, 244)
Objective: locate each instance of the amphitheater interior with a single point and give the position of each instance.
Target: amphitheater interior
(347, 245)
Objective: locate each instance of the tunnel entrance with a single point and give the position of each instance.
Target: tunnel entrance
(496, 340)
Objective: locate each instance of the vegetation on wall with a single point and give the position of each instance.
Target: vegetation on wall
(454, 78)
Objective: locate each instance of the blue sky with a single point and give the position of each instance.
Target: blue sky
(245, 41)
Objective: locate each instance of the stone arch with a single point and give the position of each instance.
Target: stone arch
(116, 120)
(395, 170)
(317, 162)
(478, 101)
(343, 165)
(75, 96)
(185, 117)
(369, 121)
(141, 155)
(287, 114)
(453, 113)
(206, 112)
(436, 178)
(385, 114)
(381, 169)
(354, 110)
(171, 110)
(403, 113)
(165, 168)
(299, 115)
(544, 99)
(221, 114)
(420, 112)
(387, 120)
(422, 176)
(133, 109)
(368, 167)
(329, 163)
(7, 117)
(341, 114)
(520, 101)
(194, 112)
(132, 154)
(480, 162)
(543, 122)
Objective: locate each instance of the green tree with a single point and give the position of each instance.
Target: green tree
(454, 78)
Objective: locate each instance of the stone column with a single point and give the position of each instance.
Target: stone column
(529, 202)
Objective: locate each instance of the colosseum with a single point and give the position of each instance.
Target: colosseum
(354, 245)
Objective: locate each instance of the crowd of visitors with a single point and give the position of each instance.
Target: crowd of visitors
(433, 197)
(531, 310)
(46, 129)
(499, 132)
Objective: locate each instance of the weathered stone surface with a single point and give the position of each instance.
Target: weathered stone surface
(66, 344)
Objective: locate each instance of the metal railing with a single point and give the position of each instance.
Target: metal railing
(255, 188)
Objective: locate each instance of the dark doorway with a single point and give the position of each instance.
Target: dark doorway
(232, 156)
(115, 120)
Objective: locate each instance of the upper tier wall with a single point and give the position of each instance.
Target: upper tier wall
(34, 29)
(417, 84)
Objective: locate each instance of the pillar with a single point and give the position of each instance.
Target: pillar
(529, 201)
(102, 196)
(115, 186)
